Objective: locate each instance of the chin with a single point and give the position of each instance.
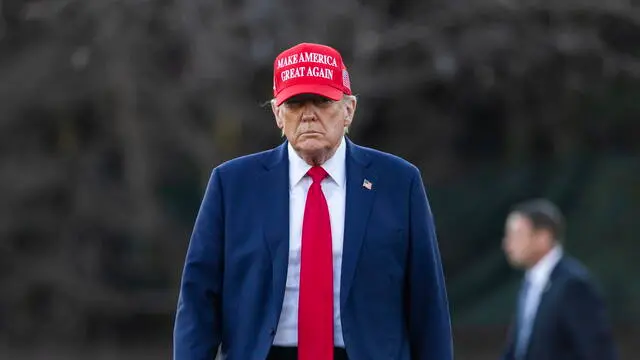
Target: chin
(312, 151)
(515, 263)
(312, 144)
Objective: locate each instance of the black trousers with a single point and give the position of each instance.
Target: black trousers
(291, 353)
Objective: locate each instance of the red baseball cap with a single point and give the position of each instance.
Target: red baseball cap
(310, 69)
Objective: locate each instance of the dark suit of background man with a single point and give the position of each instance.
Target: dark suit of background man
(560, 315)
(317, 249)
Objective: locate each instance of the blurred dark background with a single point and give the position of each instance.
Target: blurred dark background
(113, 113)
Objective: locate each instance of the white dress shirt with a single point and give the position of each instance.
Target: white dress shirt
(538, 277)
(334, 189)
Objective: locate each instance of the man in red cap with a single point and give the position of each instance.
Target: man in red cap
(319, 249)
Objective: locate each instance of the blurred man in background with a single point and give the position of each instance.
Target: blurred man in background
(317, 249)
(560, 315)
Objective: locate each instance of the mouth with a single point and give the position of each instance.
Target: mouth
(310, 133)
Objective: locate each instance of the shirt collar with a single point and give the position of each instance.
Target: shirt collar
(334, 166)
(540, 272)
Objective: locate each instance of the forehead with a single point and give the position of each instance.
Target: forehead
(517, 222)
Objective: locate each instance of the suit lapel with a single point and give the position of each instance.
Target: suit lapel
(539, 316)
(275, 189)
(543, 304)
(358, 207)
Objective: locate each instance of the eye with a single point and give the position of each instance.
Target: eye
(322, 101)
(293, 104)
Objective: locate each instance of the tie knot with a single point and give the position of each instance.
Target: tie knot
(317, 174)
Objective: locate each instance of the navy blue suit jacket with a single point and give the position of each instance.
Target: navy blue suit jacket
(393, 299)
(571, 322)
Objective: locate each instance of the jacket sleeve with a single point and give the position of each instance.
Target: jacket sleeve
(584, 316)
(428, 309)
(197, 326)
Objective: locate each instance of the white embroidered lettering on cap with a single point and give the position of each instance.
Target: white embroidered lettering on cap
(312, 71)
(307, 57)
(320, 72)
(292, 73)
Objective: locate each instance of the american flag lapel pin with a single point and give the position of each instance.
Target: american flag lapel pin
(367, 184)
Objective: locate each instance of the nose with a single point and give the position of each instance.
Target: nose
(308, 112)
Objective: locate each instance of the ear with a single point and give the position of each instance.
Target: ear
(276, 114)
(350, 103)
(547, 238)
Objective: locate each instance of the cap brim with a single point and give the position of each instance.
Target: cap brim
(322, 90)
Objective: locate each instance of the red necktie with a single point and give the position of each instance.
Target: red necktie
(315, 307)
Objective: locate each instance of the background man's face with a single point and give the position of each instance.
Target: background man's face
(522, 245)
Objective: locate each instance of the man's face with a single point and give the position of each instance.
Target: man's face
(522, 244)
(314, 125)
